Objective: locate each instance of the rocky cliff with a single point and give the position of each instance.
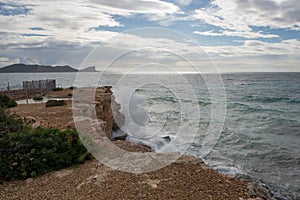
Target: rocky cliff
(108, 110)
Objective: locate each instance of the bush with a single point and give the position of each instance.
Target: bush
(10, 124)
(58, 89)
(38, 98)
(72, 88)
(6, 102)
(26, 152)
(51, 103)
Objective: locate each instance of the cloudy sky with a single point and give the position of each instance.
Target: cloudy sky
(236, 35)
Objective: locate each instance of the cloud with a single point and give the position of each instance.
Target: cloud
(184, 2)
(153, 10)
(63, 31)
(284, 12)
(237, 17)
(12, 9)
(244, 34)
(251, 55)
(81, 22)
(7, 61)
(132, 6)
(51, 24)
(256, 48)
(140, 49)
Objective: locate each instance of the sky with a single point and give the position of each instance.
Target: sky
(231, 35)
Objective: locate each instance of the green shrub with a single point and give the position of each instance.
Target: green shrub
(26, 152)
(6, 102)
(38, 98)
(51, 103)
(10, 124)
(57, 89)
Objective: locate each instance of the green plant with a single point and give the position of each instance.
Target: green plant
(72, 88)
(9, 123)
(51, 103)
(27, 152)
(57, 89)
(6, 102)
(38, 98)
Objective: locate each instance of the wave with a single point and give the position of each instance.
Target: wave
(167, 98)
(175, 100)
(204, 103)
(249, 108)
(268, 99)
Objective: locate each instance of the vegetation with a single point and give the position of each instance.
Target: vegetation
(51, 103)
(26, 152)
(58, 89)
(6, 102)
(38, 98)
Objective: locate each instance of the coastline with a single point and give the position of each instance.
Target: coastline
(186, 178)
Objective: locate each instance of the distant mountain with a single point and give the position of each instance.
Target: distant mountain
(23, 68)
(89, 69)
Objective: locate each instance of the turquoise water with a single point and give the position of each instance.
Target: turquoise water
(260, 139)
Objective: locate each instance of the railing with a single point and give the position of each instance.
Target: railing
(30, 89)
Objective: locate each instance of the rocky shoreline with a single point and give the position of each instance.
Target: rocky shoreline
(186, 178)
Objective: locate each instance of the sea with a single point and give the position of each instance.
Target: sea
(245, 124)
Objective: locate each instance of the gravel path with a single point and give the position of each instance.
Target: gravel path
(184, 179)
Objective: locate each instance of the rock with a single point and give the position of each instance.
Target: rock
(29, 180)
(29, 120)
(256, 190)
(63, 173)
(102, 173)
(144, 145)
(71, 122)
(120, 137)
(152, 183)
(131, 147)
(81, 184)
(107, 88)
(52, 103)
(104, 111)
(189, 159)
(108, 110)
(119, 118)
(32, 121)
(36, 124)
(167, 138)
